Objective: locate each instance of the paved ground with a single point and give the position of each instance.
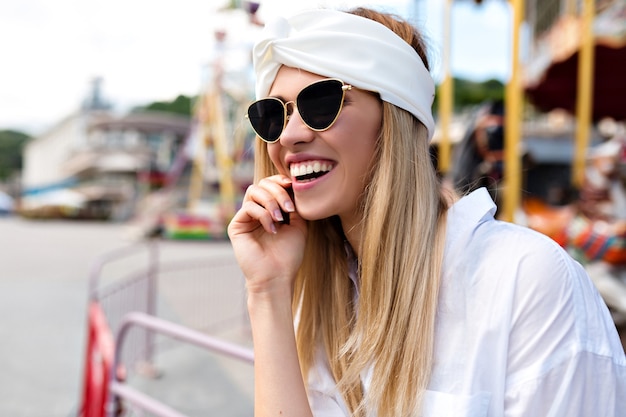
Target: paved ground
(44, 269)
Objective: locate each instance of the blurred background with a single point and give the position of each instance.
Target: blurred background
(121, 125)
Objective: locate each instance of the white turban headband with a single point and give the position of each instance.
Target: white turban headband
(357, 50)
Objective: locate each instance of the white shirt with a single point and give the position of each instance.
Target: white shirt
(521, 331)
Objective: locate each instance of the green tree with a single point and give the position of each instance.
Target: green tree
(11, 148)
(180, 105)
(470, 93)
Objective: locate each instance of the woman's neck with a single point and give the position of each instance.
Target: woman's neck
(352, 232)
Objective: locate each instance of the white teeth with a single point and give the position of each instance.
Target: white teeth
(304, 168)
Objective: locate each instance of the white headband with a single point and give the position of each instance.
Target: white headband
(355, 49)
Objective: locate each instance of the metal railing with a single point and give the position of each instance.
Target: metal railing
(119, 391)
(185, 299)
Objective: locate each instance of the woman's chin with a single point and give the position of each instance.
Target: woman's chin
(312, 215)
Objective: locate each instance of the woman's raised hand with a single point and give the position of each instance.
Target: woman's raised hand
(269, 252)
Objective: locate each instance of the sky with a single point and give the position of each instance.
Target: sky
(154, 50)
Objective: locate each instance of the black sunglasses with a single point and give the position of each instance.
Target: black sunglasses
(318, 104)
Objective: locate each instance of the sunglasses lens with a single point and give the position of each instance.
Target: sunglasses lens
(319, 104)
(267, 118)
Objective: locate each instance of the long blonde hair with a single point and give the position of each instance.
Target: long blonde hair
(402, 243)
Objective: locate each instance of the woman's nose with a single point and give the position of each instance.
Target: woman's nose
(295, 130)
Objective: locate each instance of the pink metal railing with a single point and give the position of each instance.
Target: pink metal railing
(203, 295)
(120, 392)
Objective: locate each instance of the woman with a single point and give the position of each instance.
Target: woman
(406, 301)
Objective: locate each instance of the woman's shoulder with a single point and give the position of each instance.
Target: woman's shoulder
(475, 240)
(519, 272)
(509, 242)
(507, 281)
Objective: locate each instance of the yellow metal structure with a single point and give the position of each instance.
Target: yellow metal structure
(212, 134)
(584, 97)
(446, 96)
(513, 121)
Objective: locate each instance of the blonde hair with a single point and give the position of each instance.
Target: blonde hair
(402, 243)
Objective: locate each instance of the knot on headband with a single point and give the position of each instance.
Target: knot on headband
(355, 49)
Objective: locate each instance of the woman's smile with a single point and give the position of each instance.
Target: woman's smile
(309, 170)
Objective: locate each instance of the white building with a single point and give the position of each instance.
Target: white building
(95, 164)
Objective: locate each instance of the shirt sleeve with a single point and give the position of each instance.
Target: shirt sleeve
(565, 357)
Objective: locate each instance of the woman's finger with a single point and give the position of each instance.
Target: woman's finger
(250, 217)
(271, 194)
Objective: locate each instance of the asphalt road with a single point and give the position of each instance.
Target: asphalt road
(44, 271)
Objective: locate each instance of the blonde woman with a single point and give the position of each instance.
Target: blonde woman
(370, 291)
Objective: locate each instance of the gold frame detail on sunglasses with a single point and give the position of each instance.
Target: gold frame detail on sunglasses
(286, 115)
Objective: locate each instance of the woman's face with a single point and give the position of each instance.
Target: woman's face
(342, 154)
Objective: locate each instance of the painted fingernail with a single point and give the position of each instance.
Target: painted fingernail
(273, 228)
(278, 215)
(289, 206)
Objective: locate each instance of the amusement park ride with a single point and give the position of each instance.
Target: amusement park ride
(214, 147)
(215, 166)
(578, 68)
(585, 77)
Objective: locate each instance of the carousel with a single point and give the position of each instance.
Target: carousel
(593, 227)
(576, 74)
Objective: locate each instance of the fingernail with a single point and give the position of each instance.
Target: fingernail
(289, 206)
(278, 216)
(273, 228)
